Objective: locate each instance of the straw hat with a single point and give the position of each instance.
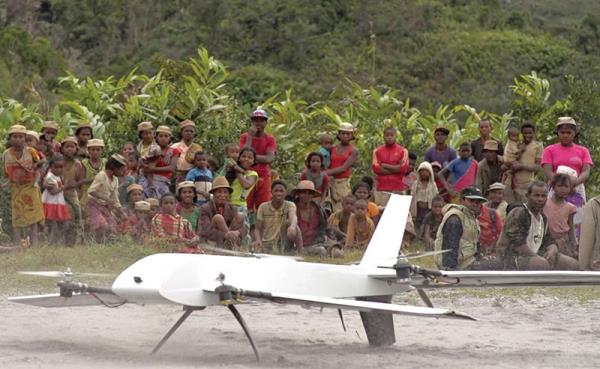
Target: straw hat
(305, 186)
(490, 145)
(186, 123)
(95, 142)
(566, 121)
(185, 184)
(346, 127)
(164, 129)
(17, 128)
(49, 124)
(33, 134)
(134, 186)
(69, 139)
(142, 206)
(145, 126)
(119, 158)
(220, 182)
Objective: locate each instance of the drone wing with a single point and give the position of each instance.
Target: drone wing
(78, 299)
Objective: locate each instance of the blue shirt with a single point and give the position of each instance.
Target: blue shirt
(199, 175)
(326, 157)
(457, 168)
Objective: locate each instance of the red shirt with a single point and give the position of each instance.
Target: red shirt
(489, 232)
(321, 184)
(390, 155)
(337, 160)
(169, 155)
(262, 145)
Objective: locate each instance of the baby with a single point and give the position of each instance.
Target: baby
(512, 153)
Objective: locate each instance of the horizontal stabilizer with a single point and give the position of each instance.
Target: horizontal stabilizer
(364, 306)
(453, 279)
(83, 299)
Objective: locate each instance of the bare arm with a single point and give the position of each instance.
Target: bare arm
(246, 182)
(584, 175)
(548, 171)
(442, 177)
(266, 159)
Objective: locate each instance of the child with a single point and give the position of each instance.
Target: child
(154, 206)
(242, 179)
(25, 200)
(92, 165)
(315, 172)
(560, 214)
(56, 210)
(512, 153)
(423, 191)
(128, 149)
(201, 176)
(73, 178)
(135, 193)
(212, 165)
(411, 177)
(326, 141)
(432, 221)
(362, 191)
(157, 178)
(437, 167)
(186, 205)
(232, 153)
(130, 176)
(338, 221)
(83, 134)
(143, 218)
(462, 171)
(360, 226)
(49, 130)
(170, 225)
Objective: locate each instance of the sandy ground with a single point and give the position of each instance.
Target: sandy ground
(539, 332)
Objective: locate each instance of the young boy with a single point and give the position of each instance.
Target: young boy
(326, 141)
(360, 226)
(512, 153)
(232, 152)
(462, 171)
(432, 221)
(338, 221)
(201, 176)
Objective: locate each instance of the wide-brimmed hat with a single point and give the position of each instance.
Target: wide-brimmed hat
(566, 121)
(472, 193)
(69, 139)
(145, 126)
(443, 129)
(259, 114)
(220, 182)
(185, 184)
(50, 124)
(95, 142)
(119, 158)
(346, 127)
(490, 145)
(134, 186)
(187, 123)
(496, 186)
(164, 129)
(142, 206)
(17, 128)
(33, 134)
(305, 186)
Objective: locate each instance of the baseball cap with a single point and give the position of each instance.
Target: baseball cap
(259, 113)
(472, 193)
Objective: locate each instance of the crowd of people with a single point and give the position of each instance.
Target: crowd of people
(482, 208)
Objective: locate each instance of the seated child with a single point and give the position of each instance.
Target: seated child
(169, 225)
(360, 226)
(362, 191)
(338, 221)
(201, 176)
(432, 221)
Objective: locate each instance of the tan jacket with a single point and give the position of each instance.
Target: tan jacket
(468, 240)
(589, 242)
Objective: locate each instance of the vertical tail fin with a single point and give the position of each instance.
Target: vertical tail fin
(387, 239)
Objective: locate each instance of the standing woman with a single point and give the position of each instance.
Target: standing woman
(92, 165)
(343, 157)
(571, 155)
(103, 198)
(25, 199)
(187, 148)
(83, 133)
(163, 171)
(73, 178)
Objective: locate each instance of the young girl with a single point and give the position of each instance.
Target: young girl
(343, 157)
(83, 133)
(362, 191)
(129, 177)
(186, 205)
(164, 169)
(56, 210)
(326, 141)
(315, 172)
(360, 226)
(560, 215)
(423, 191)
(242, 179)
(92, 165)
(49, 130)
(25, 200)
(201, 176)
(73, 178)
(169, 225)
(103, 199)
(128, 149)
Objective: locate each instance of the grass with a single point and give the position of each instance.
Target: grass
(114, 258)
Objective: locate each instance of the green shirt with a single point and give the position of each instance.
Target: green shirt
(239, 194)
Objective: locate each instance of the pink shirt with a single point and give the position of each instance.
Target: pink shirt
(558, 217)
(574, 156)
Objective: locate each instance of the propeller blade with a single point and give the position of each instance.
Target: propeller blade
(51, 274)
(59, 274)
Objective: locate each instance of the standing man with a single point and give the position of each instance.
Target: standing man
(489, 169)
(440, 152)
(390, 165)
(525, 169)
(485, 134)
(343, 158)
(265, 146)
(525, 242)
(459, 233)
